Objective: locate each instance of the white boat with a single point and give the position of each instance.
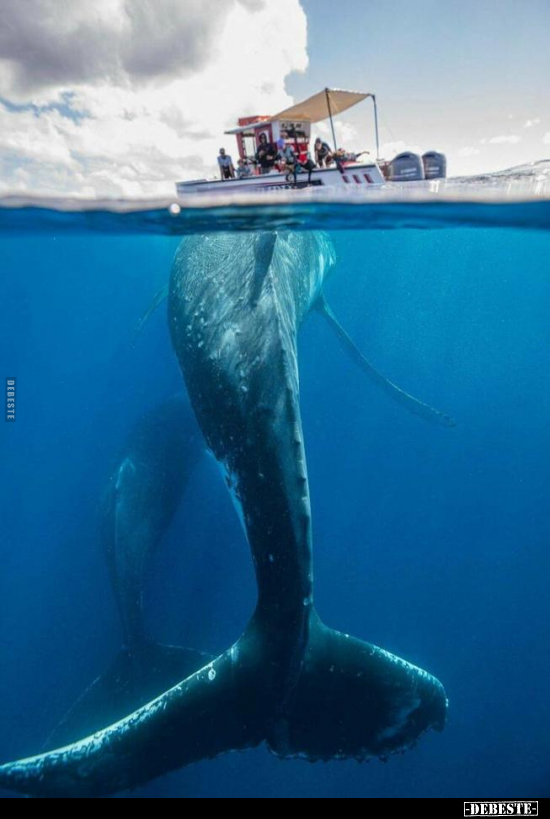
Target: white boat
(293, 127)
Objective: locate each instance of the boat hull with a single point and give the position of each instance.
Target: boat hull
(354, 175)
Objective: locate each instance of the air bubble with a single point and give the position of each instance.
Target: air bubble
(211, 675)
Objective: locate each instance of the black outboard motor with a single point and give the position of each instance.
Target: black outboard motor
(406, 167)
(435, 165)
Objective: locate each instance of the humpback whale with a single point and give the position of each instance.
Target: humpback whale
(236, 303)
(143, 491)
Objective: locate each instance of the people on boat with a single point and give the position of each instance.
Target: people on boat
(243, 169)
(323, 153)
(227, 169)
(292, 164)
(286, 156)
(266, 154)
(308, 165)
(341, 155)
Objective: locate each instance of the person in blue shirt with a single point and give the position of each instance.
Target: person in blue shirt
(287, 157)
(243, 170)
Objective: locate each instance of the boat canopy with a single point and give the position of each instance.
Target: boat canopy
(320, 106)
(323, 105)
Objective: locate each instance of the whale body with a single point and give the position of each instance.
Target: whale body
(236, 304)
(143, 492)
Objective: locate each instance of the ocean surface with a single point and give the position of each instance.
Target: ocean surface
(429, 541)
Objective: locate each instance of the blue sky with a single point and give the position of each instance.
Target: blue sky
(447, 74)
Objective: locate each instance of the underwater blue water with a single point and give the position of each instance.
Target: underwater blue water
(431, 542)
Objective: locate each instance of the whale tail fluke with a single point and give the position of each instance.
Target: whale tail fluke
(351, 700)
(355, 700)
(134, 678)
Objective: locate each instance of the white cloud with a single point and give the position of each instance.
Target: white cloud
(531, 122)
(52, 42)
(154, 99)
(512, 139)
(346, 134)
(468, 151)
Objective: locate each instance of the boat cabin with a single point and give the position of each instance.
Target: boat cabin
(293, 125)
(296, 133)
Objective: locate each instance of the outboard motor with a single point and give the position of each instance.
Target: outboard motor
(435, 165)
(406, 167)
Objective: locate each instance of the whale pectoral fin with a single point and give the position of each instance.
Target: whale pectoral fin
(158, 298)
(408, 401)
(133, 679)
(355, 700)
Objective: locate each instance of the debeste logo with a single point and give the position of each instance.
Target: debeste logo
(502, 808)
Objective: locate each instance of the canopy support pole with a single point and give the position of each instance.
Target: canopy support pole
(330, 116)
(376, 126)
